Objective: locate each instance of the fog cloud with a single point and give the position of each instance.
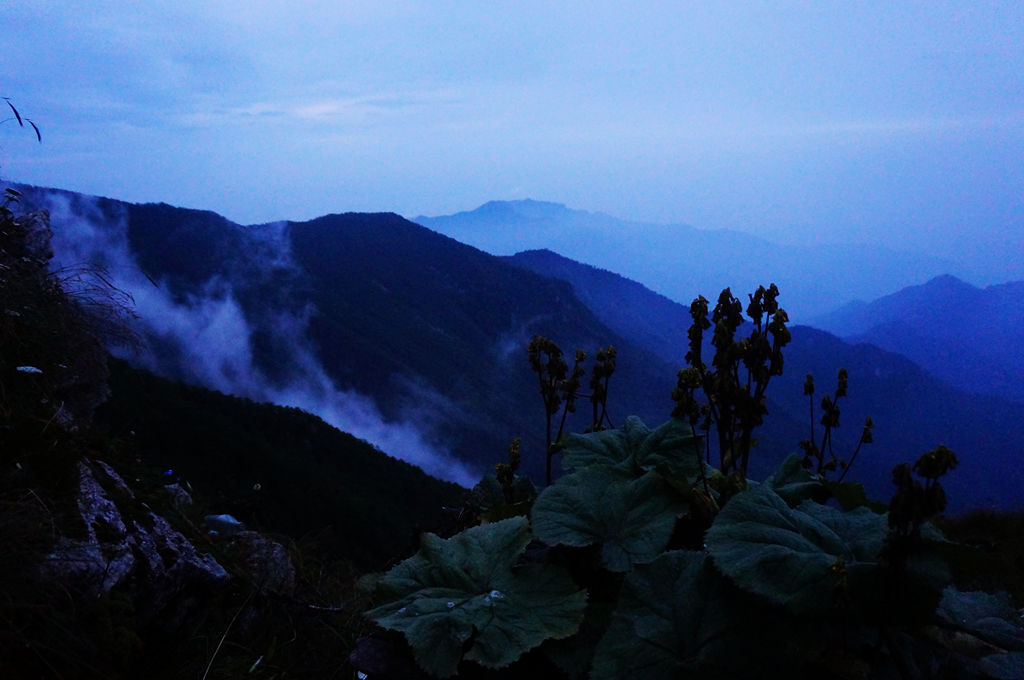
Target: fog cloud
(206, 338)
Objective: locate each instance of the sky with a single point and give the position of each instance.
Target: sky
(880, 122)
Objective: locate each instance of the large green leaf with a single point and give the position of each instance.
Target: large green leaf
(991, 616)
(794, 483)
(488, 492)
(655, 601)
(852, 495)
(677, 617)
(489, 496)
(573, 655)
(803, 558)
(815, 559)
(1009, 666)
(635, 447)
(463, 598)
(630, 518)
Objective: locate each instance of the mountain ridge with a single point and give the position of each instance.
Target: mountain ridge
(385, 329)
(659, 322)
(957, 331)
(681, 261)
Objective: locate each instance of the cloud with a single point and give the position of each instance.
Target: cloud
(205, 338)
(322, 104)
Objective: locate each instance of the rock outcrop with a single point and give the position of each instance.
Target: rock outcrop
(123, 545)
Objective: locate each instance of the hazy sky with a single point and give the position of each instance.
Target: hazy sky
(897, 122)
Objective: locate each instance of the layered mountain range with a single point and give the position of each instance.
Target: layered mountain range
(399, 335)
(958, 332)
(682, 262)
(416, 341)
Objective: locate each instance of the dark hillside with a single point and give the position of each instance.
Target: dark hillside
(414, 302)
(628, 308)
(208, 241)
(432, 334)
(400, 308)
(277, 469)
(368, 320)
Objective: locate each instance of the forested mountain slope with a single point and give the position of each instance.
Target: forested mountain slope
(276, 468)
(400, 335)
(962, 334)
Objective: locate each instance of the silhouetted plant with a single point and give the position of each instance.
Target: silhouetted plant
(915, 503)
(21, 121)
(734, 385)
(815, 454)
(547, 362)
(599, 377)
(501, 495)
(559, 389)
(55, 323)
(506, 472)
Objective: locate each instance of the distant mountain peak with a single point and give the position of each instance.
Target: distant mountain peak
(948, 282)
(942, 289)
(542, 252)
(527, 207)
(526, 204)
